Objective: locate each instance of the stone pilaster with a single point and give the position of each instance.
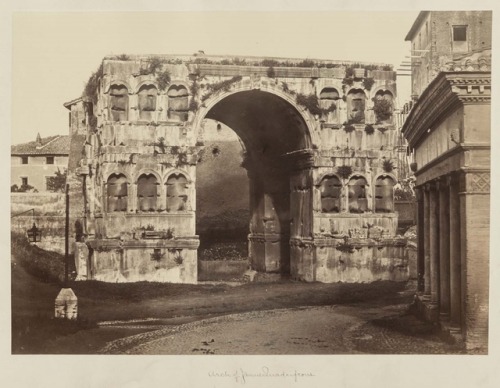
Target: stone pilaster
(444, 248)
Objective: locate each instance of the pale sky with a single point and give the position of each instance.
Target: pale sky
(53, 54)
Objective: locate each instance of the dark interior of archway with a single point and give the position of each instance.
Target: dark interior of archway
(269, 127)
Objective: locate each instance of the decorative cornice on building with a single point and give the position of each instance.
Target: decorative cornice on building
(446, 91)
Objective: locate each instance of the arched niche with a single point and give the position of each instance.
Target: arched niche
(116, 193)
(331, 189)
(357, 192)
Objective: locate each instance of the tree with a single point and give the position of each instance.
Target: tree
(23, 189)
(57, 183)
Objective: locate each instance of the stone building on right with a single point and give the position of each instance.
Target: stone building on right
(448, 134)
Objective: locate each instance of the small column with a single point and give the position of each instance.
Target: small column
(427, 243)
(444, 249)
(455, 256)
(420, 239)
(434, 243)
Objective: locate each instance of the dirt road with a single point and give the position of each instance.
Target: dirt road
(341, 329)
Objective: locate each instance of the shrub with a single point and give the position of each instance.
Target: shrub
(349, 128)
(382, 109)
(368, 83)
(57, 183)
(310, 102)
(163, 79)
(369, 129)
(270, 72)
(388, 165)
(344, 171)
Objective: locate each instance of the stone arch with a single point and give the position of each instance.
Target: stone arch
(277, 134)
(176, 171)
(147, 171)
(121, 82)
(269, 87)
(117, 171)
(147, 82)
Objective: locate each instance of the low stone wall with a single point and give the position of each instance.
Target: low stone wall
(46, 204)
(221, 269)
(52, 229)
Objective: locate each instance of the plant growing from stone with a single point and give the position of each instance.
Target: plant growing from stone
(369, 129)
(349, 128)
(388, 165)
(270, 72)
(344, 171)
(382, 109)
(368, 83)
(157, 256)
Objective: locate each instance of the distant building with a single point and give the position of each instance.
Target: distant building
(34, 162)
(448, 132)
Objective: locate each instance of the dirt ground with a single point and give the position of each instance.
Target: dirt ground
(266, 317)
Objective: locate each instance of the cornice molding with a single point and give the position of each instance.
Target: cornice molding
(447, 92)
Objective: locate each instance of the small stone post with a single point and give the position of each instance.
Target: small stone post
(66, 305)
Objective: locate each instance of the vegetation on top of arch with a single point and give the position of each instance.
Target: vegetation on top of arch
(268, 62)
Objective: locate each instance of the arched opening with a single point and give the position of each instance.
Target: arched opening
(358, 202)
(178, 105)
(147, 102)
(147, 193)
(384, 194)
(383, 105)
(118, 102)
(356, 101)
(117, 193)
(331, 189)
(177, 196)
(269, 133)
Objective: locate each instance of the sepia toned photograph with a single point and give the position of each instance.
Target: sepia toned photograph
(207, 184)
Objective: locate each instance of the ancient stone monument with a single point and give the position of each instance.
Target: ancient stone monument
(321, 151)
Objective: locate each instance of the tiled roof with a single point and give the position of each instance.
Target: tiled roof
(52, 145)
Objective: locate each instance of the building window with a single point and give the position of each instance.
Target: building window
(147, 192)
(330, 194)
(24, 181)
(384, 195)
(117, 192)
(358, 202)
(178, 106)
(49, 160)
(176, 193)
(24, 160)
(118, 102)
(459, 43)
(356, 100)
(147, 101)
